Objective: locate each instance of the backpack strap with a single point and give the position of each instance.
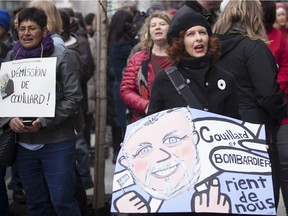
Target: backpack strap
(178, 81)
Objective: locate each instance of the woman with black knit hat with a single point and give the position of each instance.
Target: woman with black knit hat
(193, 52)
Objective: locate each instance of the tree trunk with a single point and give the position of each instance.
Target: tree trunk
(100, 117)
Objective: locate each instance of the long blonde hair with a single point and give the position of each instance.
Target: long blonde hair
(54, 22)
(145, 37)
(246, 12)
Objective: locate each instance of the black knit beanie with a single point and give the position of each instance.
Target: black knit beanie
(184, 22)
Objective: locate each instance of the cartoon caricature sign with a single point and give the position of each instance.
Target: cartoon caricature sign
(187, 160)
(28, 87)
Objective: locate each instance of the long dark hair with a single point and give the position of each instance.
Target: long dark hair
(269, 13)
(65, 34)
(121, 28)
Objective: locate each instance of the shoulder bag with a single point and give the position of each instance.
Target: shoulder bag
(178, 82)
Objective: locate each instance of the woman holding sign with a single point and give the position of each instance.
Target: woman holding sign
(45, 157)
(193, 51)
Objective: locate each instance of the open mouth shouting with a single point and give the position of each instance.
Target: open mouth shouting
(199, 48)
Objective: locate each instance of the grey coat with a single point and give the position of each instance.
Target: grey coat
(68, 97)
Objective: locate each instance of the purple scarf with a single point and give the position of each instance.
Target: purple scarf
(46, 47)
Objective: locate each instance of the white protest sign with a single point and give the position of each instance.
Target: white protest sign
(28, 87)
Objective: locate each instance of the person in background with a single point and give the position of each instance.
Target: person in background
(153, 8)
(4, 202)
(246, 55)
(72, 45)
(111, 127)
(91, 94)
(70, 40)
(87, 66)
(15, 23)
(143, 66)
(6, 44)
(78, 17)
(48, 141)
(131, 6)
(206, 8)
(278, 44)
(54, 23)
(85, 53)
(6, 39)
(281, 18)
(121, 39)
(90, 24)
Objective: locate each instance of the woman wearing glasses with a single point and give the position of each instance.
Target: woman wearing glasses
(45, 157)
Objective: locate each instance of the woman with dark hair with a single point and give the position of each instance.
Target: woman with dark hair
(46, 149)
(121, 39)
(193, 51)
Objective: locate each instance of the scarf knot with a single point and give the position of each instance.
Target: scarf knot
(44, 49)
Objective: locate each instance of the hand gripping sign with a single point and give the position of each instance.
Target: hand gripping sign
(187, 160)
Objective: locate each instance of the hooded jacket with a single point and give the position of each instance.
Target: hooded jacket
(251, 62)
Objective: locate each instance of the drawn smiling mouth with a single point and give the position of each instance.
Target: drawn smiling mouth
(165, 171)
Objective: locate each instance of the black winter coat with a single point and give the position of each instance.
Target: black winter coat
(214, 88)
(251, 62)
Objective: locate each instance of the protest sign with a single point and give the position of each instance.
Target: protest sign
(188, 160)
(28, 87)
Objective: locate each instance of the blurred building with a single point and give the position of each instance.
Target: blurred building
(90, 6)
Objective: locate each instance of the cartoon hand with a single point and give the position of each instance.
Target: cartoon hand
(255, 145)
(211, 200)
(131, 202)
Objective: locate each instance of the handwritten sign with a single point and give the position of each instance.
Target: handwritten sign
(188, 160)
(28, 87)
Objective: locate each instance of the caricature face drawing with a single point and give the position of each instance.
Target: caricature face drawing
(166, 163)
(158, 168)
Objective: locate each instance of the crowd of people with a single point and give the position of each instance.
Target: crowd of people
(206, 41)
